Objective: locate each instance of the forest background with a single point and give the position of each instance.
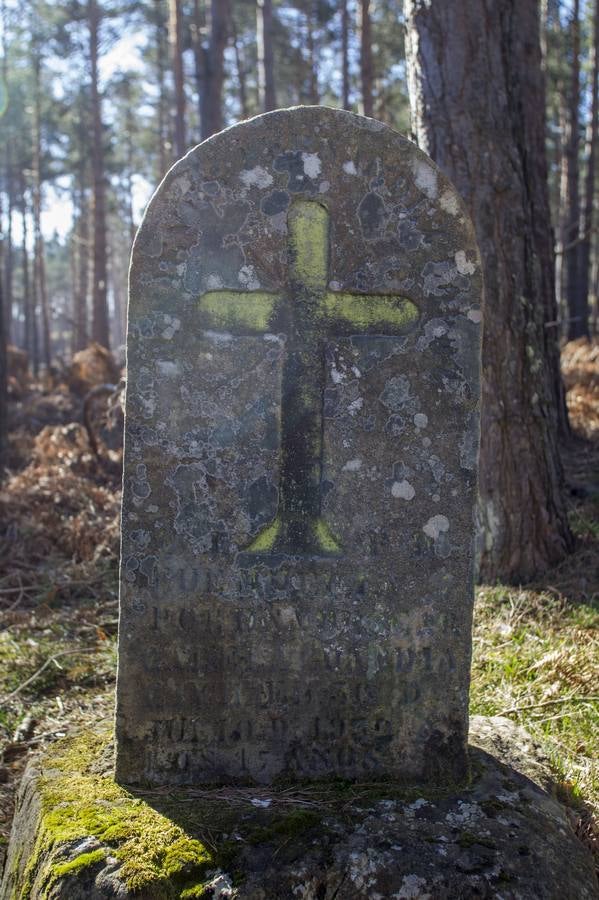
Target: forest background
(97, 100)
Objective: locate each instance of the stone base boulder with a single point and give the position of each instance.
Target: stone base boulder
(77, 835)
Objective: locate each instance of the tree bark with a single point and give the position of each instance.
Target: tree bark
(81, 273)
(176, 42)
(313, 69)
(264, 40)
(366, 64)
(241, 72)
(30, 326)
(39, 262)
(576, 324)
(215, 67)
(8, 250)
(3, 374)
(560, 274)
(344, 55)
(477, 96)
(161, 124)
(583, 300)
(100, 324)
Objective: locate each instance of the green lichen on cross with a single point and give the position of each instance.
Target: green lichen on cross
(309, 314)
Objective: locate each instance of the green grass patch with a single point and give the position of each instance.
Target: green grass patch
(536, 660)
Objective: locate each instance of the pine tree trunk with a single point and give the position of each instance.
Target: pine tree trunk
(161, 116)
(100, 325)
(28, 312)
(560, 273)
(8, 250)
(241, 72)
(264, 40)
(39, 263)
(345, 55)
(366, 65)
(591, 158)
(576, 324)
(215, 72)
(312, 64)
(81, 283)
(476, 91)
(3, 373)
(175, 39)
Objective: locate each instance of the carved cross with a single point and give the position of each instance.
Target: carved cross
(309, 314)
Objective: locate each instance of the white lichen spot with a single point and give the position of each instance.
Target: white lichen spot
(323, 187)
(475, 315)
(337, 376)
(349, 167)
(355, 406)
(219, 337)
(335, 285)
(466, 814)
(412, 888)
(465, 267)
(257, 176)
(403, 490)
(248, 279)
(172, 326)
(312, 164)
(168, 367)
(356, 371)
(420, 420)
(435, 526)
(273, 338)
(426, 442)
(425, 178)
(214, 282)
(352, 465)
(449, 202)
(182, 183)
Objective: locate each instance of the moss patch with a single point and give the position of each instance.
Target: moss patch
(158, 859)
(83, 861)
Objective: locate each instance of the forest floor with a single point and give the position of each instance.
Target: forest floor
(536, 648)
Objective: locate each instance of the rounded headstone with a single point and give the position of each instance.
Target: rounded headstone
(300, 461)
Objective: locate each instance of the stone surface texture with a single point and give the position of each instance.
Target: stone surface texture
(504, 836)
(300, 461)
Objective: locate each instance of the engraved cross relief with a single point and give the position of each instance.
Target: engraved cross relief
(309, 314)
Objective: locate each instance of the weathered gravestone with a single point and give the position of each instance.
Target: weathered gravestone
(300, 461)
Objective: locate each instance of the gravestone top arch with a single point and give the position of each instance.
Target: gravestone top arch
(300, 461)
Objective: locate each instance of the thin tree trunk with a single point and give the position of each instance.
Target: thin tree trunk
(214, 76)
(176, 43)
(264, 39)
(576, 325)
(591, 157)
(30, 335)
(483, 122)
(8, 250)
(560, 280)
(163, 157)
(240, 66)
(100, 325)
(345, 55)
(314, 93)
(81, 282)
(3, 374)
(39, 263)
(366, 64)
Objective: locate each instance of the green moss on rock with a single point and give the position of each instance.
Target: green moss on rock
(83, 861)
(158, 859)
